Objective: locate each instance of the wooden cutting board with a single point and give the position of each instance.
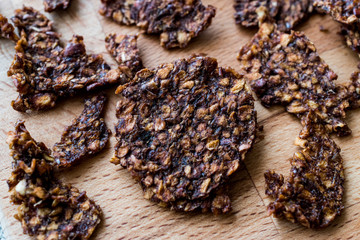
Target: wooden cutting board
(126, 214)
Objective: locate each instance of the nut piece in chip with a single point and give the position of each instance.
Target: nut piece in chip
(125, 51)
(183, 129)
(344, 11)
(312, 194)
(87, 135)
(43, 70)
(177, 22)
(52, 5)
(48, 208)
(284, 68)
(7, 30)
(286, 13)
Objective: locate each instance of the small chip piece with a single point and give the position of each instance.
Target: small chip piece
(184, 128)
(52, 5)
(125, 51)
(344, 11)
(87, 135)
(286, 69)
(312, 194)
(354, 89)
(176, 21)
(7, 30)
(286, 13)
(43, 70)
(351, 34)
(49, 209)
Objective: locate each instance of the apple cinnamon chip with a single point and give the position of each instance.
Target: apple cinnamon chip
(344, 11)
(285, 68)
(184, 128)
(48, 208)
(7, 30)
(313, 192)
(52, 5)
(351, 34)
(44, 71)
(125, 51)
(86, 136)
(177, 22)
(286, 13)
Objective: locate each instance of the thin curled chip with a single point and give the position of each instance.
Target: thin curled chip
(52, 5)
(43, 71)
(286, 13)
(285, 69)
(48, 208)
(176, 21)
(7, 30)
(184, 128)
(87, 135)
(344, 11)
(125, 51)
(312, 194)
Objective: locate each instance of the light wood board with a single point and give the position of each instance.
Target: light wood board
(126, 214)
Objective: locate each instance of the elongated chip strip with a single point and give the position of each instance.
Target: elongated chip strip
(86, 136)
(48, 208)
(312, 194)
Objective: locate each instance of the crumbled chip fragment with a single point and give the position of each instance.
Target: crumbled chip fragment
(52, 5)
(87, 135)
(49, 209)
(344, 11)
(351, 34)
(286, 13)
(125, 51)
(7, 30)
(176, 21)
(286, 69)
(184, 128)
(312, 194)
(43, 70)
(354, 89)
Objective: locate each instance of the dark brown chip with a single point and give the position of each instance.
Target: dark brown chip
(354, 89)
(286, 13)
(351, 34)
(49, 209)
(7, 30)
(184, 128)
(52, 5)
(286, 69)
(87, 135)
(344, 11)
(176, 21)
(125, 51)
(43, 70)
(312, 194)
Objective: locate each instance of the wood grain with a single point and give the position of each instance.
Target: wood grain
(126, 214)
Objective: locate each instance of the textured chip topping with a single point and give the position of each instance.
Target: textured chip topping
(312, 194)
(344, 11)
(87, 135)
(286, 69)
(125, 51)
(49, 209)
(286, 13)
(52, 5)
(43, 70)
(176, 21)
(351, 34)
(184, 128)
(7, 30)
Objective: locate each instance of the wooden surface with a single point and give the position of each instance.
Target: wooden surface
(126, 214)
